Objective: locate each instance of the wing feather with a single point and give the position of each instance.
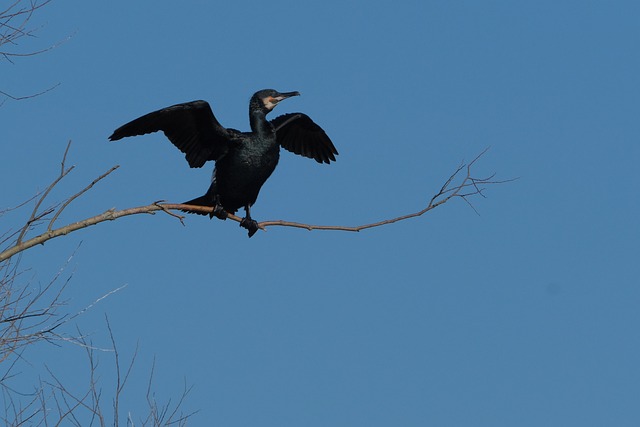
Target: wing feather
(296, 132)
(191, 127)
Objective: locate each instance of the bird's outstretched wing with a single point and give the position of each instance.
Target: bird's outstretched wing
(191, 127)
(297, 133)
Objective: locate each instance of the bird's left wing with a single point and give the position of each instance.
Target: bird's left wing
(299, 134)
(191, 127)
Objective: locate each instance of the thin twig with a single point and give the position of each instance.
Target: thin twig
(78, 194)
(20, 98)
(168, 212)
(63, 172)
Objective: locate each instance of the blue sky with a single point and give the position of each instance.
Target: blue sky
(526, 314)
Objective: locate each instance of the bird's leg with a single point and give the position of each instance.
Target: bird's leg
(218, 210)
(248, 223)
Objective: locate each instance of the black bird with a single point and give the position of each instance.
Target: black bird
(244, 160)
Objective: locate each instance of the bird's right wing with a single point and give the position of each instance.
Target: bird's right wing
(299, 134)
(191, 127)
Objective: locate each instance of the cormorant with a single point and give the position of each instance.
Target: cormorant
(243, 160)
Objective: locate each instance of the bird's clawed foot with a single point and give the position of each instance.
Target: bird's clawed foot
(219, 212)
(250, 224)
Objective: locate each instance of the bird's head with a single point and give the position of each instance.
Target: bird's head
(267, 99)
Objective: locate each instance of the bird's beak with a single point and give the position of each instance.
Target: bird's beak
(285, 96)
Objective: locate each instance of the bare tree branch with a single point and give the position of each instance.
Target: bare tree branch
(446, 193)
(34, 214)
(29, 316)
(78, 194)
(160, 415)
(120, 384)
(468, 187)
(15, 25)
(54, 402)
(20, 98)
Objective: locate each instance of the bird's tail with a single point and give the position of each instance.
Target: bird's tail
(206, 200)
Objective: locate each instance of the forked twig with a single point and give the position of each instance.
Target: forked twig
(78, 194)
(64, 171)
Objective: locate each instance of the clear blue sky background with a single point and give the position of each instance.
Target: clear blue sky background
(525, 315)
